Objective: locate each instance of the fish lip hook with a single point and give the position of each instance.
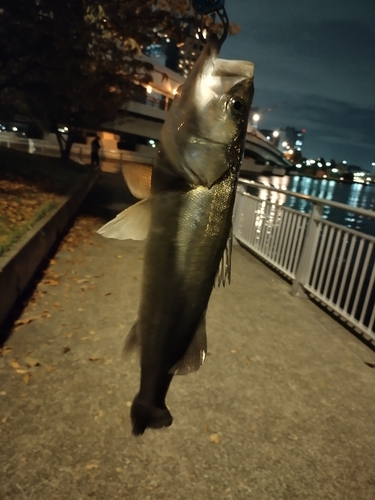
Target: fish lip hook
(221, 12)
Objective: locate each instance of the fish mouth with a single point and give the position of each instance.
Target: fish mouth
(214, 76)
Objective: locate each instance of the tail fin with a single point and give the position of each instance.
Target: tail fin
(144, 415)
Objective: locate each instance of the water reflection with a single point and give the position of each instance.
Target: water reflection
(355, 194)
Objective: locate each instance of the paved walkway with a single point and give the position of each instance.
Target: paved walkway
(284, 407)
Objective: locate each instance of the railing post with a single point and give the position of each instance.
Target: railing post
(308, 252)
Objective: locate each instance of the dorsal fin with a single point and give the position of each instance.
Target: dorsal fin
(224, 272)
(196, 352)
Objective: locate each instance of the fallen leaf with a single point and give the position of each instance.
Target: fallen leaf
(91, 466)
(85, 338)
(66, 349)
(50, 282)
(32, 361)
(108, 293)
(108, 361)
(26, 321)
(2, 393)
(128, 404)
(15, 364)
(118, 469)
(92, 332)
(80, 309)
(69, 335)
(119, 256)
(233, 350)
(215, 438)
(95, 359)
(4, 420)
(5, 350)
(83, 280)
(48, 368)
(21, 371)
(26, 377)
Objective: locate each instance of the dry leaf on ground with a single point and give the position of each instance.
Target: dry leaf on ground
(32, 361)
(215, 438)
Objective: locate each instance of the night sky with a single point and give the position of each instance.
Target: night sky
(315, 68)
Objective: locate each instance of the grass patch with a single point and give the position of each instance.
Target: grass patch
(30, 187)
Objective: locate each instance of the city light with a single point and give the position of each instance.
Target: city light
(284, 144)
(319, 164)
(149, 89)
(256, 117)
(335, 170)
(328, 164)
(344, 162)
(14, 129)
(276, 133)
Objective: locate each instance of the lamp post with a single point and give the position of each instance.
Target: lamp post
(255, 119)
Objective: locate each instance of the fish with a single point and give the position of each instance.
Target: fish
(187, 218)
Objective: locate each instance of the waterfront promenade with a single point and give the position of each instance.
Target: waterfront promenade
(282, 409)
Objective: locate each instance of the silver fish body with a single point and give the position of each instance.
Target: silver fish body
(192, 196)
(193, 191)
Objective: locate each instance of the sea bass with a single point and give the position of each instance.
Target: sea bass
(189, 217)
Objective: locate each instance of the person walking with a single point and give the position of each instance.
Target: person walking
(95, 146)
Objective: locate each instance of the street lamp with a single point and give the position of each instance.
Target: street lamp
(256, 118)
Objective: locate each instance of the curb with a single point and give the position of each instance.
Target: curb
(18, 266)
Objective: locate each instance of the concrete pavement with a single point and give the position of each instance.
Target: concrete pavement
(282, 409)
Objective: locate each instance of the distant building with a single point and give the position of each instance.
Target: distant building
(179, 58)
(291, 138)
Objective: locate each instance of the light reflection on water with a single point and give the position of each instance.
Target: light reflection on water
(356, 195)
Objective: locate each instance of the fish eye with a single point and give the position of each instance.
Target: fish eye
(237, 105)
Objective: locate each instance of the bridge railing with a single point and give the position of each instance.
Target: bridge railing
(332, 263)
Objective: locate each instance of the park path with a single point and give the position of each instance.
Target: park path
(283, 407)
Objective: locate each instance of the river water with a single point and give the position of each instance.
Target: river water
(355, 194)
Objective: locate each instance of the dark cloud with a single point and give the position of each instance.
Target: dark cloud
(315, 67)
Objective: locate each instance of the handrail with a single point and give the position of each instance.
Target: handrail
(312, 199)
(323, 259)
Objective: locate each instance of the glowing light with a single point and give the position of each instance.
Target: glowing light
(341, 178)
(328, 164)
(298, 165)
(151, 141)
(319, 164)
(276, 133)
(284, 144)
(344, 162)
(174, 91)
(324, 176)
(167, 40)
(149, 89)
(335, 170)
(256, 117)
(14, 129)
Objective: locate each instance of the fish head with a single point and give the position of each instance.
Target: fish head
(204, 131)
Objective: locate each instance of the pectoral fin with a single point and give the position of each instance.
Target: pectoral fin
(224, 271)
(138, 179)
(131, 224)
(196, 352)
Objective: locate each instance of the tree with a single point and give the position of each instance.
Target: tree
(73, 63)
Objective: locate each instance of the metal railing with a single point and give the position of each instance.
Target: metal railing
(329, 261)
(79, 152)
